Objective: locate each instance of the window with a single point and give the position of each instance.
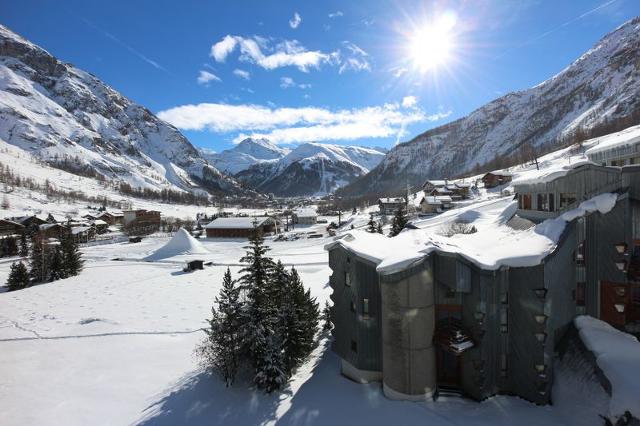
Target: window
(504, 320)
(365, 307)
(580, 260)
(347, 279)
(567, 199)
(526, 201)
(354, 346)
(552, 203)
(353, 307)
(580, 290)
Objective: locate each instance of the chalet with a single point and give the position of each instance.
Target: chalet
(142, 221)
(616, 149)
(389, 206)
(462, 189)
(305, 216)
(9, 227)
(111, 218)
(52, 230)
(83, 233)
(431, 184)
(100, 226)
(423, 313)
(440, 191)
(429, 204)
(28, 221)
(497, 178)
(241, 227)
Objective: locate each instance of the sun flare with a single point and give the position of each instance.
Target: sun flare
(431, 45)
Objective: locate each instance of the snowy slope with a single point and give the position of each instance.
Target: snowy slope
(600, 89)
(70, 119)
(244, 155)
(311, 169)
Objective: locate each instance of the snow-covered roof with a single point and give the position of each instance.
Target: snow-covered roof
(443, 198)
(628, 136)
(618, 356)
(436, 182)
(99, 222)
(495, 244)
(306, 212)
(237, 222)
(395, 200)
(463, 184)
(46, 226)
(429, 199)
(75, 230)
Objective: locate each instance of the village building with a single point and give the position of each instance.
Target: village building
(496, 178)
(100, 226)
(432, 184)
(28, 221)
(241, 227)
(53, 231)
(142, 221)
(425, 312)
(389, 206)
(305, 216)
(9, 227)
(616, 149)
(111, 218)
(435, 204)
(83, 233)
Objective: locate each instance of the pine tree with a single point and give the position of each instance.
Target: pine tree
(270, 373)
(327, 325)
(18, 277)
(307, 315)
(56, 265)
(379, 228)
(222, 350)
(72, 262)
(38, 262)
(24, 247)
(371, 225)
(399, 222)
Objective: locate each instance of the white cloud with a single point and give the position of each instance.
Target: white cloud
(242, 74)
(289, 125)
(286, 82)
(221, 49)
(295, 21)
(409, 101)
(335, 14)
(204, 77)
(286, 53)
(261, 51)
(358, 59)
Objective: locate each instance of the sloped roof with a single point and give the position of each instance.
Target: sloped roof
(238, 222)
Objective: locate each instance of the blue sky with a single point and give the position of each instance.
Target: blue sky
(354, 72)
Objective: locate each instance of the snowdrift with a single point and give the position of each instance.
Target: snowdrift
(182, 243)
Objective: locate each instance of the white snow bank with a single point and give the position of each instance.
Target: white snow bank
(495, 244)
(182, 243)
(618, 356)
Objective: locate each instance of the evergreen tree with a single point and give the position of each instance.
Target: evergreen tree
(307, 315)
(327, 325)
(38, 262)
(18, 277)
(371, 226)
(24, 247)
(222, 350)
(270, 374)
(72, 262)
(379, 228)
(56, 265)
(398, 223)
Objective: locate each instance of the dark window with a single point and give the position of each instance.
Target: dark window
(580, 290)
(543, 205)
(567, 199)
(354, 346)
(365, 307)
(580, 259)
(552, 203)
(353, 307)
(347, 278)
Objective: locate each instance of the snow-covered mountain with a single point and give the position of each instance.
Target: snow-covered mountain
(311, 169)
(598, 93)
(70, 119)
(244, 155)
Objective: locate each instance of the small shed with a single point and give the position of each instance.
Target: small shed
(193, 265)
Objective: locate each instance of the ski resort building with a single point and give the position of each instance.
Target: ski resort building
(616, 149)
(241, 227)
(484, 312)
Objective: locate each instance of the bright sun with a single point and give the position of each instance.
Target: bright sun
(431, 45)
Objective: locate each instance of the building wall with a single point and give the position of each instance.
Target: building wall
(349, 326)
(408, 323)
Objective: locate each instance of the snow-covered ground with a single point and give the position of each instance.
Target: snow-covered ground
(115, 346)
